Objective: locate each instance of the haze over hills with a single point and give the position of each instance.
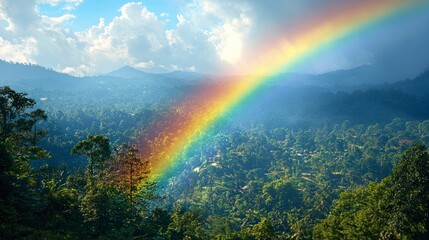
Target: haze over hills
(296, 100)
(27, 77)
(418, 85)
(129, 72)
(34, 76)
(362, 75)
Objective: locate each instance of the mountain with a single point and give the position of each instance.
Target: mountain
(418, 85)
(362, 75)
(25, 76)
(366, 75)
(16, 71)
(129, 73)
(371, 75)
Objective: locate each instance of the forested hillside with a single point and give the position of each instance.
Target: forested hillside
(312, 163)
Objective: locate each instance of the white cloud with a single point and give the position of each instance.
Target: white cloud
(55, 21)
(136, 37)
(72, 4)
(226, 24)
(38, 39)
(144, 65)
(229, 38)
(20, 51)
(67, 5)
(50, 2)
(21, 15)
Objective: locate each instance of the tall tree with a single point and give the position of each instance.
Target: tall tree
(18, 137)
(14, 117)
(97, 148)
(130, 169)
(18, 126)
(409, 195)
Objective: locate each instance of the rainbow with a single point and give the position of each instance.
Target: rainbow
(167, 140)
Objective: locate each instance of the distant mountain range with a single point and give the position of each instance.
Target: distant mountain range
(23, 76)
(292, 99)
(132, 73)
(359, 76)
(27, 76)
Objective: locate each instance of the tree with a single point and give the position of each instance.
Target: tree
(260, 231)
(396, 208)
(358, 214)
(281, 194)
(103, 207)
(18, 137)
(14, 118)
(97, 149)
(130, 169)
(19, 127)
(8, 212)
(104, 212)
(409, 195)
(186, 224)
(57, 210)
(12, 108)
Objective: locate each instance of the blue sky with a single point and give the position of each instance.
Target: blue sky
(89, 12)
(209, 36)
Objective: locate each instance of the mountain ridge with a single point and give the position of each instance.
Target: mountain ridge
(362, 77)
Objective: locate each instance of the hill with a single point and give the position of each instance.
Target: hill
(128, 72)
(418, 85)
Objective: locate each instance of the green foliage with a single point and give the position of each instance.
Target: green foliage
(244, 176)
(186, 225)
(18, 136)
(409, 195)
(104, 211)
(8, 192)
(97, 148)
(281, 194)
(258, 183)
(396, 208)
(17, 125)
(359, 214)
(129, 171)
(260, 231)
(12, 111)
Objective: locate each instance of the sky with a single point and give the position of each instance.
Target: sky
(90, 37)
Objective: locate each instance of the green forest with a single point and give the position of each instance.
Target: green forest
(316, 164)
(214, 120)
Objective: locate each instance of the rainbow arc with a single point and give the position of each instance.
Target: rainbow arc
(170, 137)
